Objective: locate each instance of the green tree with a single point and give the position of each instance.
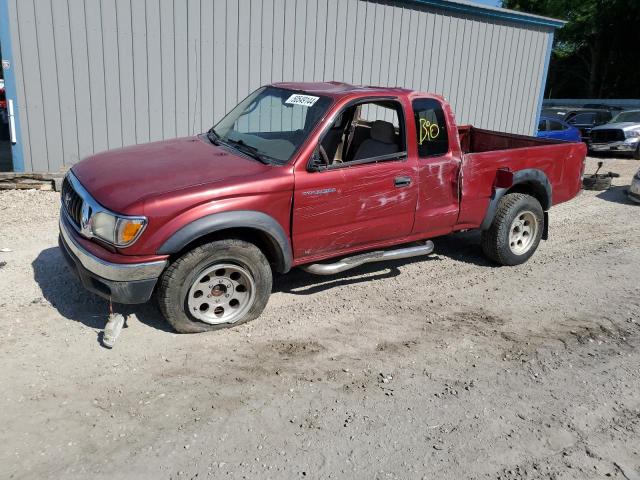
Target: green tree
(595, 55)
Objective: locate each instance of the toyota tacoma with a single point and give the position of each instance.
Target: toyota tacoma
(322, 176)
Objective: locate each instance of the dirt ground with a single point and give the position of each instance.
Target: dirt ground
(441, 368)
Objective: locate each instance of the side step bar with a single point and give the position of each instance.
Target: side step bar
(378, 256)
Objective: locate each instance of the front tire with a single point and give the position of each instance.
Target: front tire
(216, 285)
(516, 230)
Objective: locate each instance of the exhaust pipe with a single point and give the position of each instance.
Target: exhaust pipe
(377, 256)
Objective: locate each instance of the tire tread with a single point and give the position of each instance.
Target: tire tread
(171, 278)
(494, 241)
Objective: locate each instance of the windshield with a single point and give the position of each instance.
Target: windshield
(271, 123)
(627, 117)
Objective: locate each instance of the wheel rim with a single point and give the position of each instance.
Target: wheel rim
(522, 233)
(221, 293)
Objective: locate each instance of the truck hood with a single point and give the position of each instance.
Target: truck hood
(618, 126)
(120, 178)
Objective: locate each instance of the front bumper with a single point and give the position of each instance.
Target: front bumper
(620, 146)
(121, 282)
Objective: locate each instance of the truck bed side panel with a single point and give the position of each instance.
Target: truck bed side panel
(561, 162)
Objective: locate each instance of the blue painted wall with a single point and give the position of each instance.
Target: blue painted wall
(10, 83)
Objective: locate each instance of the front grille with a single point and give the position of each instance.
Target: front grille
(604, 136)
(71, 202)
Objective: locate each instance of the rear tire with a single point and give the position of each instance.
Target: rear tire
(216, 285)
(516, 230)
(636, 154)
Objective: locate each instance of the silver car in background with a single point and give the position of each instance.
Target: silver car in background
(621, 134)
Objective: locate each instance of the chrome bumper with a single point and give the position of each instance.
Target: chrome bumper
(620, 146)
(117, 272)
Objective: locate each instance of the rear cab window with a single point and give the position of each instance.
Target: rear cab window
(431, 127)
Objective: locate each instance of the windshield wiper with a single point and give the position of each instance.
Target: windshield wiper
(248, 150)
(213, 136)
(239, 145)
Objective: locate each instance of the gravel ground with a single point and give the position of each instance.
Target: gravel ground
(446, 367)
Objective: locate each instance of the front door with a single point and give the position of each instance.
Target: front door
(368, 193)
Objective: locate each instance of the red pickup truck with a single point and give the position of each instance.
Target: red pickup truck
(302, 174)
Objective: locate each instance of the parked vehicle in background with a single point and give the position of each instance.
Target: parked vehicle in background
(634, 189)
(3, 99)
(300, 174)
(585, 119)
(604, 106)
(4, 114)
(552, 127)
(3, 103)
(556, 112)
(621, 134)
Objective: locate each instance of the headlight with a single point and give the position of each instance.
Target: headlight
(118, 231)
(632, 133)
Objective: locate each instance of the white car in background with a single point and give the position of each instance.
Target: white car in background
(634, 189)
(621, 134)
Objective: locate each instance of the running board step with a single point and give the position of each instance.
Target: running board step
(378, 256)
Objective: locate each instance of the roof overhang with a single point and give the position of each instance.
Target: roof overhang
(470, 8)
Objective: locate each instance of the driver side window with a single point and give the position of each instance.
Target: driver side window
(365, 132)
(555, 126)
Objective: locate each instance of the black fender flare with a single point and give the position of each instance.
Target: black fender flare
(532, 177)
(267, 225)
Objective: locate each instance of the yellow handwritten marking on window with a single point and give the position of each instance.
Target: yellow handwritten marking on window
(428, 131)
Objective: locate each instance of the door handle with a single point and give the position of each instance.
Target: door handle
(402, 181)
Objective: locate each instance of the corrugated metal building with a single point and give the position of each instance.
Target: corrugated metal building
(91, 75)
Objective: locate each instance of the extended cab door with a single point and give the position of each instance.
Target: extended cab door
(439, 159)
(368, 191)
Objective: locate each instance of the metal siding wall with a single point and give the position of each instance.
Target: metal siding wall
(99, 74)
(47, 56)
(110, 41)
(31, 77)
(181, 63)
(126, 92)
(154, 69)
(66, 89)
(168, 80)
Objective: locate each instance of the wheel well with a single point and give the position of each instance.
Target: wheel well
(260, 239)
(533, 189)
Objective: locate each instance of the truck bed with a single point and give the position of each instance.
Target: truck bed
(486, 151)
(477, 140)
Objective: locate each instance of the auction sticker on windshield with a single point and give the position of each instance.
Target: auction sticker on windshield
(305, 100)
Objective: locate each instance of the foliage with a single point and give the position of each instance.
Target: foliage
(595, 53)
